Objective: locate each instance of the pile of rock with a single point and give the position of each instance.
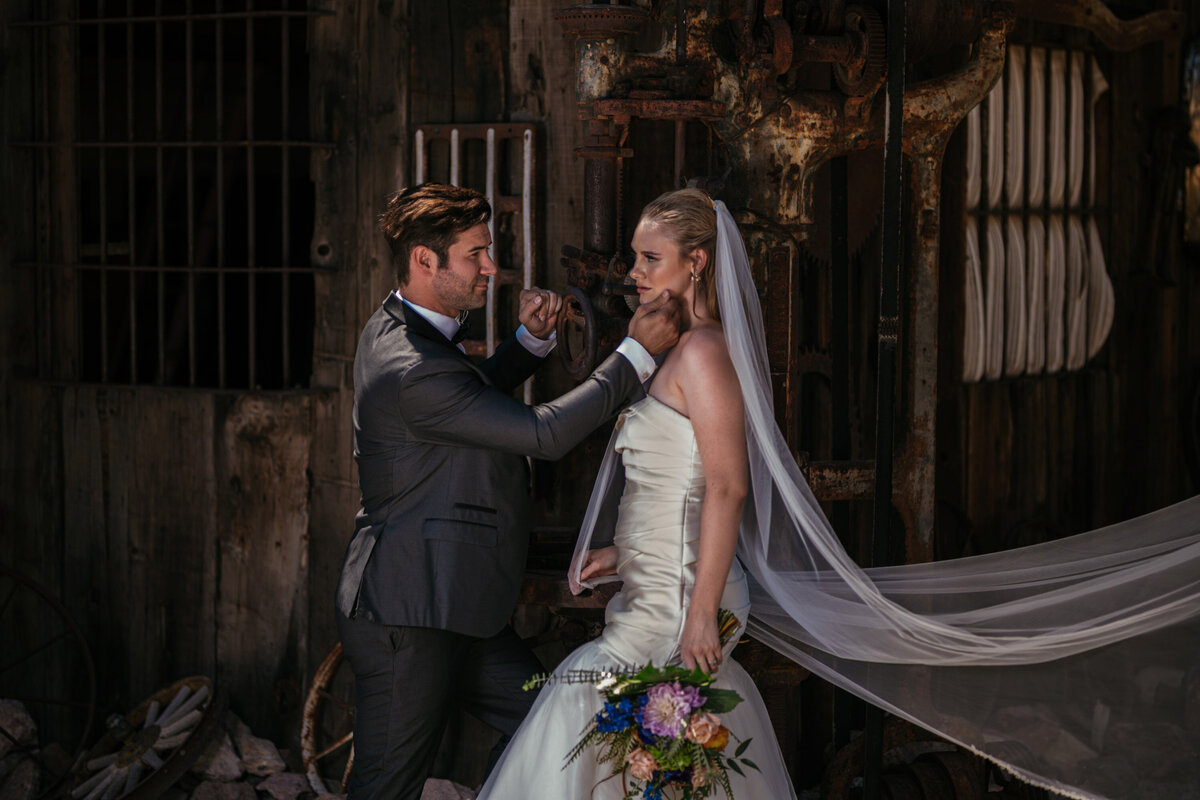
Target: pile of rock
(19, 773)
(236, 765)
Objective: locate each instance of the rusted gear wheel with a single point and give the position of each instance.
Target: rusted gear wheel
(632, 301)
(327, 725)
(577, 334)
(147, 750)
(47, 665)
(865, 73)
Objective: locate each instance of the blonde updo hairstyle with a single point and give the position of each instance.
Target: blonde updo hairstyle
(687, 218)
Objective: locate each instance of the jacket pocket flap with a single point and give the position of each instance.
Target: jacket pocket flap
(463, 531)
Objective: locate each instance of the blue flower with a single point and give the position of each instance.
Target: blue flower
(652, 792)
(617, 716)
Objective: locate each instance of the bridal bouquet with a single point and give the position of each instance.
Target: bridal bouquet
(661, 726)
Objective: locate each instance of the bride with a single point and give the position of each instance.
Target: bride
(1074, 664)
(683, 449)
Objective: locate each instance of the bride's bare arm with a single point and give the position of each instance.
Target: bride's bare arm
(713, 399)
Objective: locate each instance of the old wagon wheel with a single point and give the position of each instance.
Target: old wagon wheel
(327, 726)
(143, 753)
(47, 665)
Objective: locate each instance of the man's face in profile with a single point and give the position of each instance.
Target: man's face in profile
(461, 283)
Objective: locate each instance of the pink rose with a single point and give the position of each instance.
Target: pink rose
(642, 764)
(699, 777)
(702, 727)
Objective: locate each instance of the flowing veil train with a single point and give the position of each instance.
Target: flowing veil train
(1074, 663)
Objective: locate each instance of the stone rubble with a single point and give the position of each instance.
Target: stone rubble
(22, 781)
(235, 765)
(259, 756)
(219, 761)
(16, 721)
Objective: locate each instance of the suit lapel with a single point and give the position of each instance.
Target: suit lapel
(419, 326)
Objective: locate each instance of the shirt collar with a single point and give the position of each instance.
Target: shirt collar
(447, 326)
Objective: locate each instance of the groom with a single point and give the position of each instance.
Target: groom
(431, 575)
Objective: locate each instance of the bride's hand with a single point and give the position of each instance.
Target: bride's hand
(599, 562)
(700, 643)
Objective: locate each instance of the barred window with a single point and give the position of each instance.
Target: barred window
(175, 203)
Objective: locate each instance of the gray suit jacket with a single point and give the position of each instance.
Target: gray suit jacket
(441, 538)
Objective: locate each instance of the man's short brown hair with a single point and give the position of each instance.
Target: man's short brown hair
(429, 214)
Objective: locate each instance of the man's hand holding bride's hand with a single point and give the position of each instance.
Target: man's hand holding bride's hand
(700, 642)
(538, 311)
(655, 325)
(599, 562)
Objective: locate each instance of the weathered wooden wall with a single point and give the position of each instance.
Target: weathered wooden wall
(174, 525)
(202, 532)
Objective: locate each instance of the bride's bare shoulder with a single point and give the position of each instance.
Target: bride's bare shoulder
(703, 347)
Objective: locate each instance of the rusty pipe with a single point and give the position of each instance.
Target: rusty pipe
(936, 110)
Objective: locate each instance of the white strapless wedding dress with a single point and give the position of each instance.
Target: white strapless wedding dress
(657, 538)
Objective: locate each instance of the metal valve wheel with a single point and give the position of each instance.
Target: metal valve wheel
(577, 337)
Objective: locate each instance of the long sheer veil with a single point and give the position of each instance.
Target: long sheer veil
(1074, 663)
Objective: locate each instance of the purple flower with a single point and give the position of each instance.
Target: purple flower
(668, 706)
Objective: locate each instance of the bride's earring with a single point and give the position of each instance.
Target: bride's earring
(695, 289)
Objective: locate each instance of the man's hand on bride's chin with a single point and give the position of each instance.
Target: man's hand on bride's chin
(598, 563)
(655, 325)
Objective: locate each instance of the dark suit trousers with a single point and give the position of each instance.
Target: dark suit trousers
(408, 680)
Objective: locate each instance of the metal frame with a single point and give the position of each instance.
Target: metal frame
(524, 204)
(68, 153)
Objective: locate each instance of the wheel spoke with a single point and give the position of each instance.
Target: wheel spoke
(53, 701)
(8, 599)
(342, 704)
(338, 745)
(34, 652)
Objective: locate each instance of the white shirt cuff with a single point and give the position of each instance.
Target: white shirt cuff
(639, 357)
(539, 347)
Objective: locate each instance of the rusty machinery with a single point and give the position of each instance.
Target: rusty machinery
(737, 67)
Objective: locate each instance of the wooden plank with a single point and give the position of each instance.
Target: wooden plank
(383, 124)
(95, 553)
(335, 500)
(62, 353)
(161, 450)
(479, 59)
(18, 331)
(334, 63)
(31, 543)
(262, 457)
(541, 61)
(432, 65)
